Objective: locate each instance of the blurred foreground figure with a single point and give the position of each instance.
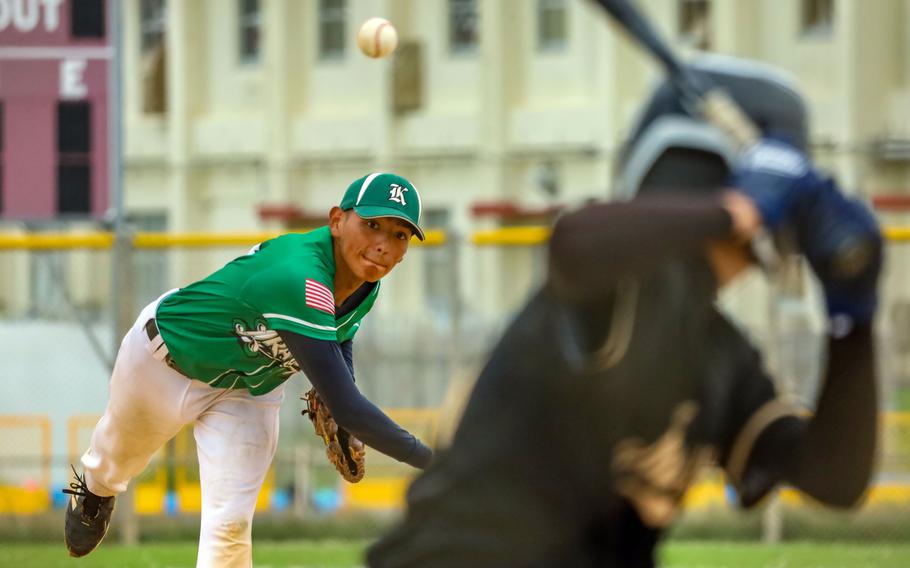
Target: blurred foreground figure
(218, 353)
(620, 379)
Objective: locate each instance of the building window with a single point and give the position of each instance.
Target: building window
(250, 21)
(694, 23)
(463, 23)
(817, 17)
(152, 27)
(332, 16)
(87, 18)
(74, 147)
(551, 25)
(152, 24)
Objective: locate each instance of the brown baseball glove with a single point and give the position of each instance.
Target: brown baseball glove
(344, 451)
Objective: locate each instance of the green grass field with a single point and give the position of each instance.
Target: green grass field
(332, 554)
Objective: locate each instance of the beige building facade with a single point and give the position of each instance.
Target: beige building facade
(230, 105)
(508, 93)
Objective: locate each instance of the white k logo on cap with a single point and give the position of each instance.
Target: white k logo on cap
(396, 193)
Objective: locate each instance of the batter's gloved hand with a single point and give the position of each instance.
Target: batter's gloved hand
(776, 176)
(843, 243)
(344, 451)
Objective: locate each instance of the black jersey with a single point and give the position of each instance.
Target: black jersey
(610, 390)
(585, 428)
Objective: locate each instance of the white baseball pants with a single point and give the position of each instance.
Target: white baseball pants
(236, 437)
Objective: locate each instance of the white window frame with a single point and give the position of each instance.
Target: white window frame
(688, 34)
(330, 16)
(552, 8)
(251, 20)
(816, 18)
(152, 24)
(458, 10)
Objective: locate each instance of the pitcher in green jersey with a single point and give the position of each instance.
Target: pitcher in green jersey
(218, 353)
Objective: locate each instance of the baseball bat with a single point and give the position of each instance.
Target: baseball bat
(700, 98)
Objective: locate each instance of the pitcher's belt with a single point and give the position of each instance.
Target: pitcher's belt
(157, 347)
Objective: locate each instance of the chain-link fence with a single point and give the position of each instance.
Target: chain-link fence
(439, 314)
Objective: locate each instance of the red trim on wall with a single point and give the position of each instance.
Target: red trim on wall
(891, 202)
(292, 215)
(511, 211)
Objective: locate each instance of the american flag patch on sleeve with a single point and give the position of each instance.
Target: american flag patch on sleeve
(319, 296)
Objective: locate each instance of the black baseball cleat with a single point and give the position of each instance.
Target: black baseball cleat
(87, 517)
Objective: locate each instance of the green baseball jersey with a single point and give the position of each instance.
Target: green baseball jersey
(223, 330)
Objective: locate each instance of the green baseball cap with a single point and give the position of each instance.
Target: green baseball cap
(384, 195)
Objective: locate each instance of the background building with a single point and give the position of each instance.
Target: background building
(239, 114)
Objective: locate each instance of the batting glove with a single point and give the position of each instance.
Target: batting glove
(776, 176)
(842, 241)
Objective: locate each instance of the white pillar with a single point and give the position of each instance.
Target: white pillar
(276, 23)
(183, 206)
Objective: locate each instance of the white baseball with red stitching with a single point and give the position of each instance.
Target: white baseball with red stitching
(377, 38)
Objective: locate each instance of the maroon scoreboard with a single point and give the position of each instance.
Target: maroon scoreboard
(54, 124)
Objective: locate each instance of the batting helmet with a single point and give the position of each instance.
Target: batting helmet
(671, 150)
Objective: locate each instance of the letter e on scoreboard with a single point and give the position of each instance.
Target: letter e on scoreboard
(72, 80)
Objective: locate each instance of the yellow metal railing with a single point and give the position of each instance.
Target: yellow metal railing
(512, 236)
(503, 236)
(49, 241)
(105, 240)
(538, 235)
(899, 234)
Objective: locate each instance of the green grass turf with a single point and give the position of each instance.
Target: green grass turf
(322, 554)
(335, 554)
(791, 555)
(902, 399)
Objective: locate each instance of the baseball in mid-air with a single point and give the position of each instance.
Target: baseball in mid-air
(377, 38)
